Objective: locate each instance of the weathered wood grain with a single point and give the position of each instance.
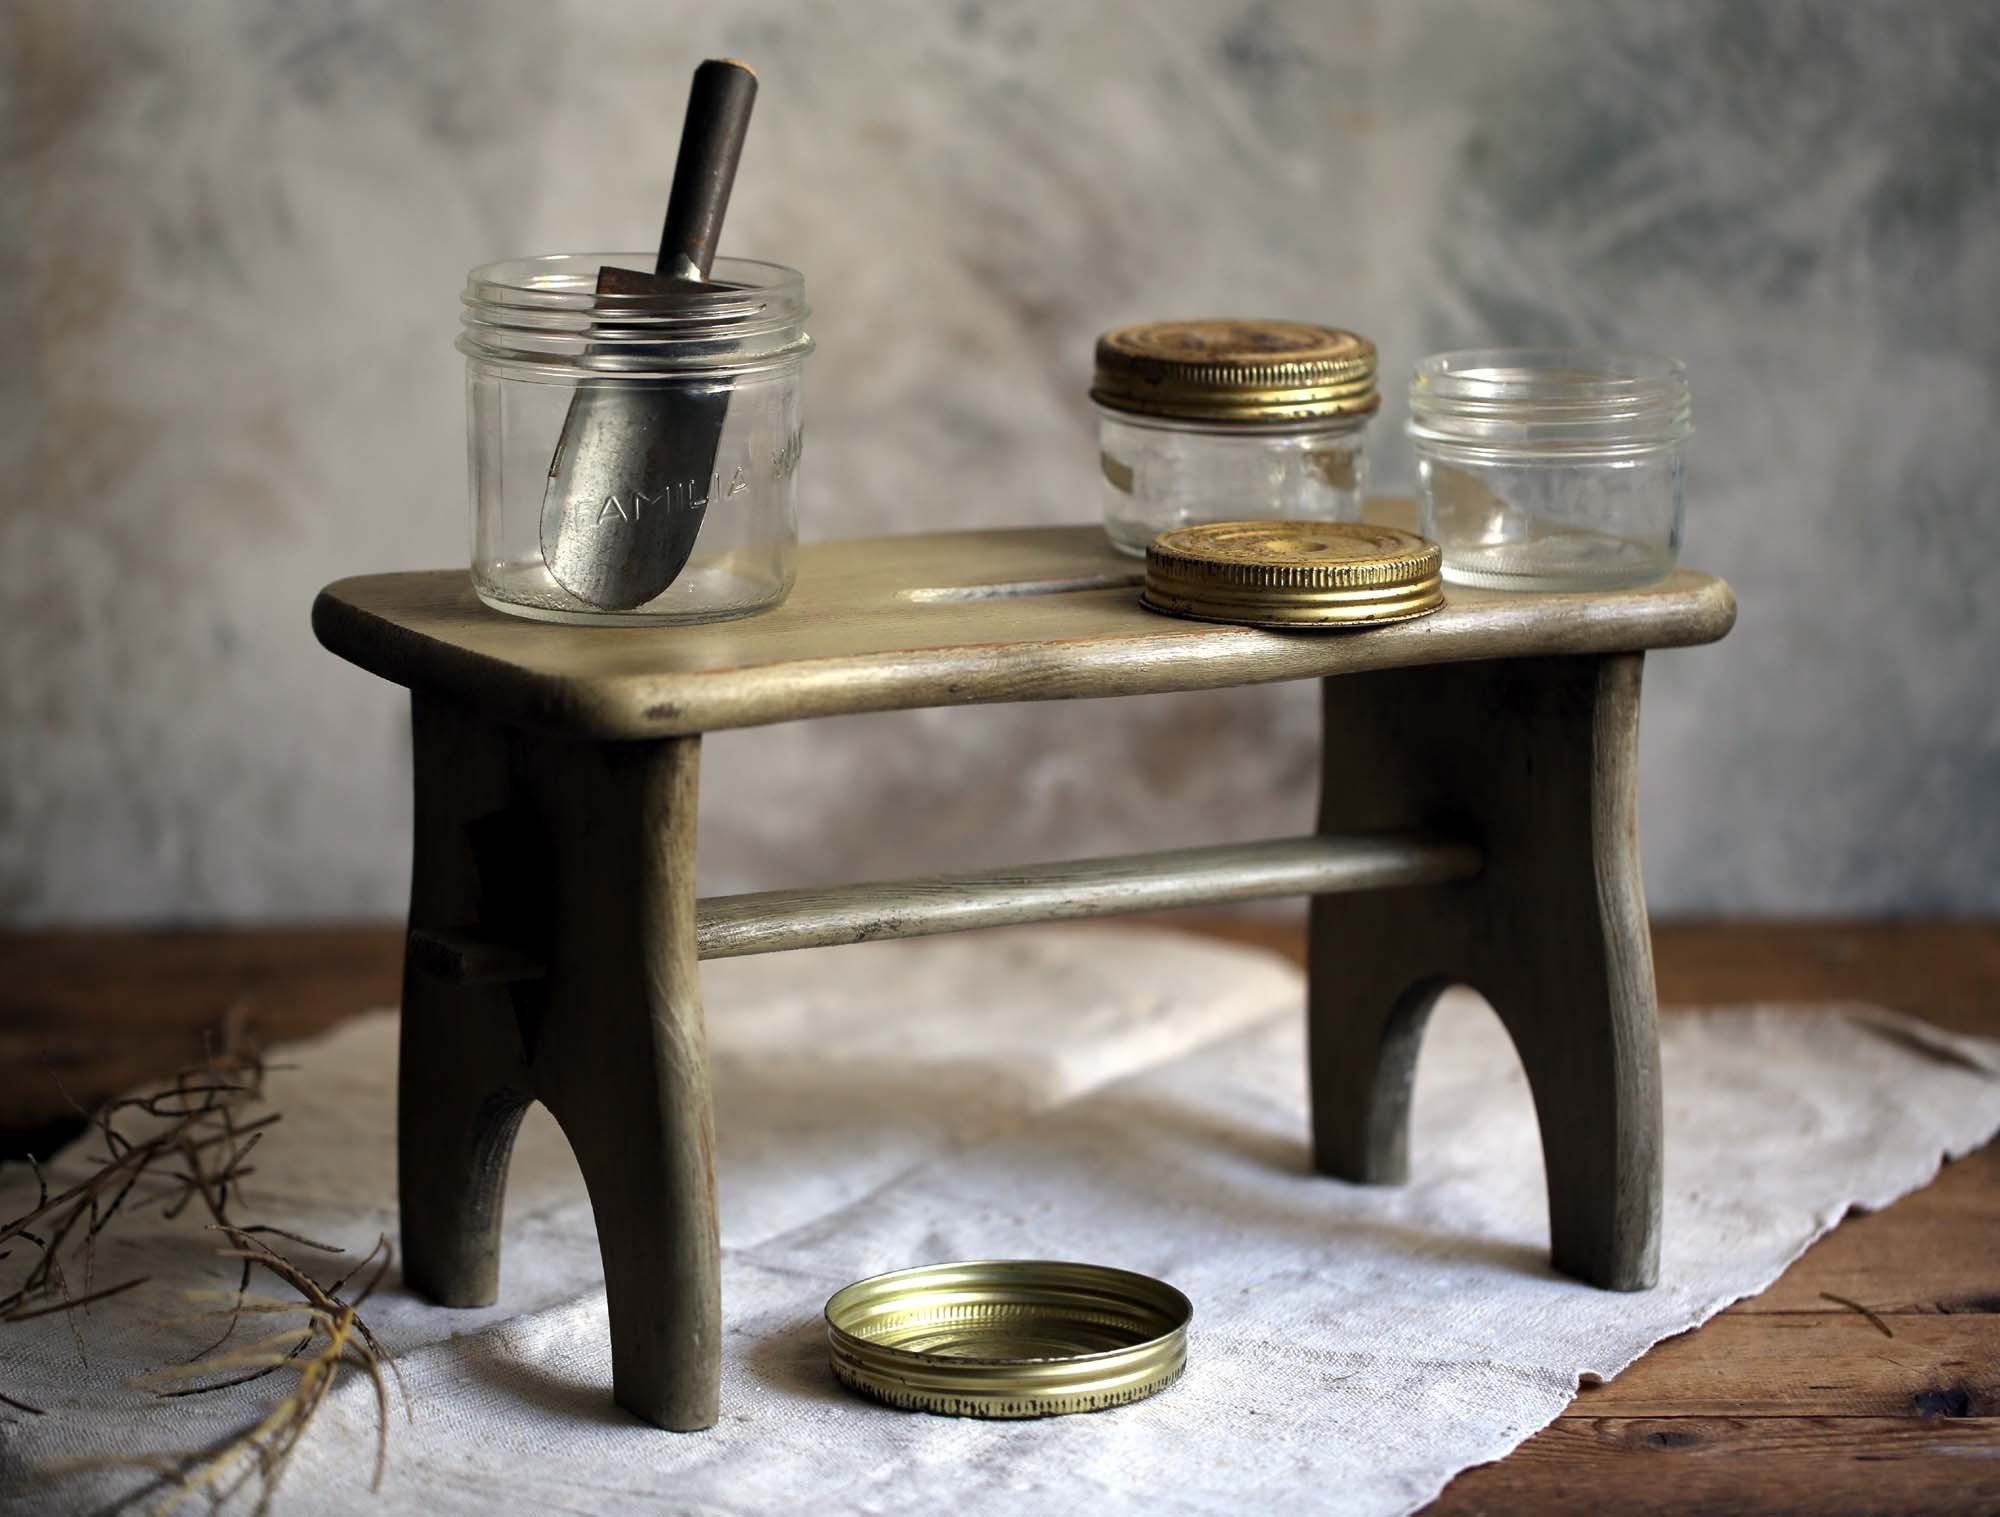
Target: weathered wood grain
(622, 1059)
(610, 1039)
(937, 619)
(86, 1015)
(768, 921)
(462, 1077)
(1537, 759)
(1677, 1466)
(1945, 972)
(1812, 1364)
(1937, 1251)
(772, 921)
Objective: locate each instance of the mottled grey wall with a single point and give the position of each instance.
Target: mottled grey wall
(232, 235)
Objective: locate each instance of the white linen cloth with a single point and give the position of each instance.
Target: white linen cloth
(1126, 1096)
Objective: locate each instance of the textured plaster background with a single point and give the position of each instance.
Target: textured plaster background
(231, 238)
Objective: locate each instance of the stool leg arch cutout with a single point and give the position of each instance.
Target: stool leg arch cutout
(1537, 760)
(598, 887)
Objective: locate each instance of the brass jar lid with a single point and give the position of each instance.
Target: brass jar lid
(1293, 574)
(1008, 1337)
(1246, 372)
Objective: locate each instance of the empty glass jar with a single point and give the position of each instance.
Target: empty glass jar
(633, 451)
(1550, 469)
(1203, 421)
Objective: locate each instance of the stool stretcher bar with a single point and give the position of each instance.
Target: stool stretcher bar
(774, 920)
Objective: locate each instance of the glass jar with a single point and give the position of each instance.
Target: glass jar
(633, 451)
(1204, 421)
(1550, 469)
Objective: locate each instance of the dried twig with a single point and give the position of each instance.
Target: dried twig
(192, 1149)
(196, 1117)
(24, 1315)
(332, 1338)
(1855, 1306)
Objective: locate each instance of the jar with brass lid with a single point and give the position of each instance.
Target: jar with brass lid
(1215, 420)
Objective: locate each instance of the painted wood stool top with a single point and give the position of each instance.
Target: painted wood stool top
(1481, 760)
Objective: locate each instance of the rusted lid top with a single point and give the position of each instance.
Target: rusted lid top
(1252, 373)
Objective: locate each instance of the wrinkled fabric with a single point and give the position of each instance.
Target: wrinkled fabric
(1126, 1096)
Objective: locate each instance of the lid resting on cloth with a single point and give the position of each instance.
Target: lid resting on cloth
(1008, 1337)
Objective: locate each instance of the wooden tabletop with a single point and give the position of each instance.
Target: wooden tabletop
(939, 619)
(1789, 1402)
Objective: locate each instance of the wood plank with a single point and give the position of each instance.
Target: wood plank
(938, 619)
(773, 920)
(90, 1014)
(1944, 972)
(1936, 1250)
(1685, 1466)
(1827, 1363)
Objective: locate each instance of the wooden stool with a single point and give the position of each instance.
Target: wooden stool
(1482, 760)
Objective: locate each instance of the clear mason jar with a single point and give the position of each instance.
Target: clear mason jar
(1550, 469)
(1206, 421)
(678, 418)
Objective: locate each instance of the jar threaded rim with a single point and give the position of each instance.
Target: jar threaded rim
(1493, 404)
(546, 315)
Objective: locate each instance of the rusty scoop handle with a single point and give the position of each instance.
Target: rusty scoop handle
(718, 119)
(630, 480)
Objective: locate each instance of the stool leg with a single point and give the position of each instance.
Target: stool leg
(1569, 967)
(622, 1060)
(1365, 1025)
(1538, 759)
(455, 1133)
(461, 1084)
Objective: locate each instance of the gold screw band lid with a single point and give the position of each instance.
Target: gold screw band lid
(1008, 1337)
(1246, 372)
(1293, 573)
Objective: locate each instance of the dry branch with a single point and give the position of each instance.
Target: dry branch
(184, 1144)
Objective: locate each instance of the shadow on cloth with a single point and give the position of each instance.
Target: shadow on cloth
(1188, 1139)
(534, 1382)
(793, 1362)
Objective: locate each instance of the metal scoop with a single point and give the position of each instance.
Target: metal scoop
(630, 480)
